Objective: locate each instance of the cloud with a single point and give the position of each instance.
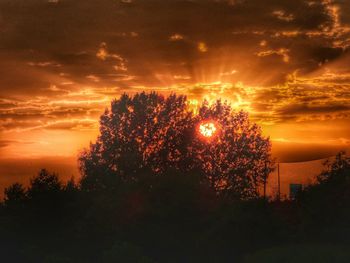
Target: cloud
(51, 111)
(202, 47)
(280, 52)
(302, 109)
(176, 37)
(63, 61)
(135, 36)
(280, 14)
(5, 143)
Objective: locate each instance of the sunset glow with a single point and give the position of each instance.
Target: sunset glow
(290, 70)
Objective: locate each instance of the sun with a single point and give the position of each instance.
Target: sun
(207, 129)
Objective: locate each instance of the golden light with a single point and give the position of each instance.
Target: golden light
(207, 129)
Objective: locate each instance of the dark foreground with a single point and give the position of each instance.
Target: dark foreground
(173, 218)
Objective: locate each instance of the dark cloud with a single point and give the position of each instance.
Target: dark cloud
(5, 143)
(301, 152)
(69, 33)
(303, 109)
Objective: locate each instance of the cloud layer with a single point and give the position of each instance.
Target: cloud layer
(286, 62)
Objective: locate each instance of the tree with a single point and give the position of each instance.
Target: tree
(140, 133)
(151, 133)
(238, 159)
(325, 204)
(338, 170)
(44, 185)
(15, 195)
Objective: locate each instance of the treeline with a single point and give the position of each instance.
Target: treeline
(152, 189)
(173, 218)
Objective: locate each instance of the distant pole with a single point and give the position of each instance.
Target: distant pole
(265, 178)
(279, 182)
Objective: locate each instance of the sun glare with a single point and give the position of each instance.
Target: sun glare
(207, 129)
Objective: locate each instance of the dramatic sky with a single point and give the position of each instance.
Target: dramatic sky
(287, 62)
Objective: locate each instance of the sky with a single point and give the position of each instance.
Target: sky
(62, 61)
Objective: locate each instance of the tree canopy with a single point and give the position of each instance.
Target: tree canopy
(150, 133)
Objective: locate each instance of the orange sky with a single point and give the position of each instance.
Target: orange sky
(61, 63)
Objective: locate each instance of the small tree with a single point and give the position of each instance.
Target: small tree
(44, 185)
(325, 204)
(15, 195)
(338, 170)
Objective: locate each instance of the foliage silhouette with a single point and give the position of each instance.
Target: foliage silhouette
(171, 218)
(148, 132)
(326, 203)
(237, 161)
(44, 184)
(14, 195)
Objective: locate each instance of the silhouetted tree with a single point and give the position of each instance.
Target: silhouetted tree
(325, 205)
(44, 185)
(238, 159)
(172, 216)
(143, 132)
(339, 169)
(15, 195)
(45, 200)
(154, 133)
